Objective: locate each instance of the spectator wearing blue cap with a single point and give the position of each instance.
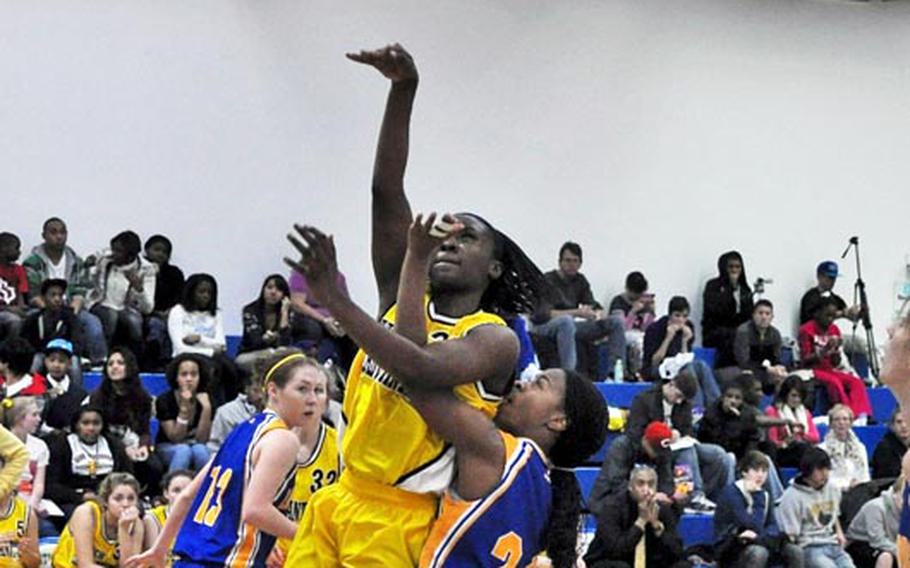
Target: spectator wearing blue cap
(64, 393)
(826, 273)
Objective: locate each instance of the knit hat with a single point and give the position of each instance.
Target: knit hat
(657, 432)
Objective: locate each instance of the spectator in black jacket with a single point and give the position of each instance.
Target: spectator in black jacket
(668, 337)
(636, 529)
(734, 425)
(55, 320)
(127, 411)
(168, 290)
(81, 460)
(668, 402)
(574, 315)
(727, 305)
(266, 322)
(730, 423)
(623, 456)
(886, 459)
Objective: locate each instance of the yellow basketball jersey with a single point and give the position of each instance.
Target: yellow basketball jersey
(105, 548)
(159, 516)
(14, 524)
(320, 470)
(386, 440)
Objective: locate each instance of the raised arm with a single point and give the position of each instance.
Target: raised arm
(488, 352)
(391, 211)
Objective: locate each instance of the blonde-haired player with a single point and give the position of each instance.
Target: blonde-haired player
(229, 515)
(318, 461)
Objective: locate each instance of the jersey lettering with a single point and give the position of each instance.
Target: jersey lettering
(207, 514)
(508, 549)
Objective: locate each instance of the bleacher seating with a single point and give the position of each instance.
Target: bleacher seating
(694, 529)
(698, 529)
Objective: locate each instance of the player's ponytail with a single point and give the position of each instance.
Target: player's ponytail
(562, 532)
(587, 419)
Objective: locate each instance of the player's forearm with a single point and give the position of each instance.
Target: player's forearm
(392, 148)
(271, 521)
(395, 353)
(411, 364)
(410, 313)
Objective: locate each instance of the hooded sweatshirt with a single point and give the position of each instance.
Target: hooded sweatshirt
(809, 514)
(877, 523)
(36, 268)
(725, 307)
(111, 288)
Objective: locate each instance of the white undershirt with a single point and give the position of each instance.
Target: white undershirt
(57, 270)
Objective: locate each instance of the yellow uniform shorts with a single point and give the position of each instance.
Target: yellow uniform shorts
(359, 523)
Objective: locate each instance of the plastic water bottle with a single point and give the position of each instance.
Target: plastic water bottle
(617, 371)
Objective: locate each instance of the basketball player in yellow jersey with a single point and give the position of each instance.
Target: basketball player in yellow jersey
(18, 534)
(380, 512)
(103, 532)
(171, 486)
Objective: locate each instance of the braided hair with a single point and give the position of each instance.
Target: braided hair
(521, 287)
(587, 420)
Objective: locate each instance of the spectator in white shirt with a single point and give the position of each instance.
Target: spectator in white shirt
(195, 325)
(123, 288)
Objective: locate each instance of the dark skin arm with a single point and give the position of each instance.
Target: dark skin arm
(391, 211)
(488, 353)
(479, 447)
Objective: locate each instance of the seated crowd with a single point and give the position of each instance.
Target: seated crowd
(697, 440)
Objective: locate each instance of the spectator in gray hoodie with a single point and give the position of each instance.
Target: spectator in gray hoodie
(873, 531)
(808, 513)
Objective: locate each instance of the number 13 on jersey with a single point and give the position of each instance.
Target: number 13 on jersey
(208, 512)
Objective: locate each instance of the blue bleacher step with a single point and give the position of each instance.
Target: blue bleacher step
(621, 395)
(154, 383)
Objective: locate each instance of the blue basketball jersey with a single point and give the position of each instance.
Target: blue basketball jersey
(505, 528)
(213, 532)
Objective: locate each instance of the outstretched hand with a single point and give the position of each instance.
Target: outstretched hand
(393, 61)
(317, 261)
(426, 235)
(151, 557)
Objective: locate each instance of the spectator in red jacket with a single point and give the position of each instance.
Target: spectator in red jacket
(819, 346)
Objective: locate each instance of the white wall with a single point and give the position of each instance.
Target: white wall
(657, 134)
